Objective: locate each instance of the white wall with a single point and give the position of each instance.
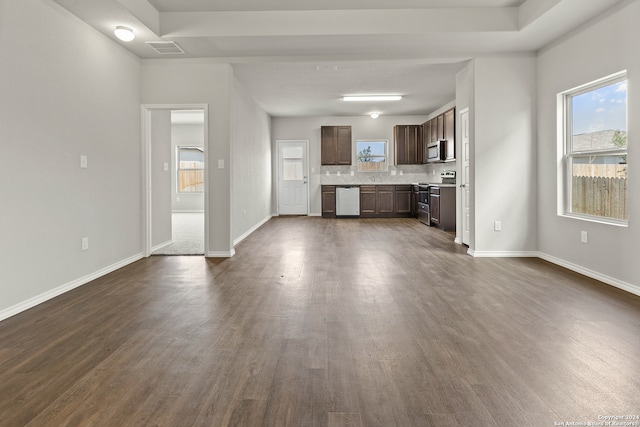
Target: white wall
(608, 45)
(160, 179)
(362, 127)
(185, 135)
(251, 163)
(66, 91)
(201, 82)
(504, 152)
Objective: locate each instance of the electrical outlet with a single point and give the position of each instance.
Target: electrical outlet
(352, 173)
(338, 173)
(497, 226)
(85, 243)
(83, 162)
(244, 213)
(393, 173)
(584, 238)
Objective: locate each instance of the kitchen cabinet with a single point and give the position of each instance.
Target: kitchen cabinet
(328, 201)
(335, 145)
(377, 200)
(442, 206)
(403, 205)
(385, 195)
(408, 144)
(385, 201)
(368, 200)
(449, 129)
(434, 130)
(426, 139)
(440, 127)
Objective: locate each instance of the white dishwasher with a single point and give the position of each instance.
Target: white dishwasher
(348, 200)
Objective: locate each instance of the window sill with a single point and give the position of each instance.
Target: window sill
(596, 219)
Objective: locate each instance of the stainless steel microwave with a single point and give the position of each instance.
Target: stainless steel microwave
(437, 151)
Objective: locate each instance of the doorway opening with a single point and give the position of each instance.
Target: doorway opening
(175, 179)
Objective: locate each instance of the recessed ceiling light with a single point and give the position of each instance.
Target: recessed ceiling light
(124, 33)
(374, 115)
(372, 98)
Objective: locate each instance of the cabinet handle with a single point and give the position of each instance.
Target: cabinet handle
(463, 185)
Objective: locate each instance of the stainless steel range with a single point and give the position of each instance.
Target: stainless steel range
(448, 177)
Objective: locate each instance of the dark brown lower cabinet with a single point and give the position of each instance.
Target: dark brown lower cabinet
(376, 201)
(385, 201)
(403, 200)
(385, 195)
(442, 206)
(328, 201)
(367, 200)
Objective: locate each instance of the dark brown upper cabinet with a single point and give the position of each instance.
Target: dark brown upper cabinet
(450, 133)
(441, 127)
(335, 145)
(408, 144)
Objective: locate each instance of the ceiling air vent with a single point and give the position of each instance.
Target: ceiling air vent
(166, 48)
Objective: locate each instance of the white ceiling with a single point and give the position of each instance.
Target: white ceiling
(297, 58)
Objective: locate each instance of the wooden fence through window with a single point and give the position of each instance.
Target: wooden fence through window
(191, 180)
(600, 196)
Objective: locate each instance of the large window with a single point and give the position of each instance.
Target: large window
(372, 155)
(595, 150)
(190, 170)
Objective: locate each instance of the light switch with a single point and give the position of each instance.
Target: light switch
(338, 173)
(220, 163)
(352, 173)
(83, 162)
(166, 166)
(393, 173)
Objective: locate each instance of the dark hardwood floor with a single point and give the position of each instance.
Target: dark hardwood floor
(318, 322)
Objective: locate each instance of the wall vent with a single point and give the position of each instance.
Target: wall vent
(166, 48)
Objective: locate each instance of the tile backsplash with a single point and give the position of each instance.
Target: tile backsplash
(395, 174)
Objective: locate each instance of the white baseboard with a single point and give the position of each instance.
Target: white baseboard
(629, 287)
(39, 299)
(221, 254)
(161, 245)
(251, 230)
(503, 254)
(187, 211)
(315, 214)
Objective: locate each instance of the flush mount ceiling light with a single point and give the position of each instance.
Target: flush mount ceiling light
(374, 115)
(124, 33)
(365, 98)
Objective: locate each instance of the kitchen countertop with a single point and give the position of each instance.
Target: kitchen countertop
(359, 184)
(443, 185)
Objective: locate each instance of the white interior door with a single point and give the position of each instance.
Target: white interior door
(466, 216)
(293, 187)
